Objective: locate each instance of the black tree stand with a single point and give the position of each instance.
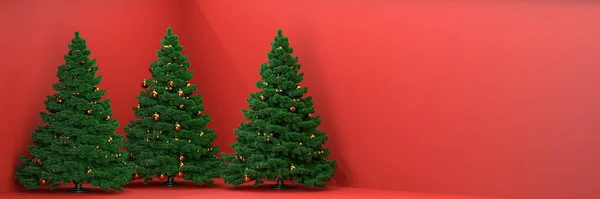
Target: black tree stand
(280, 185)
(170, 182)
(78, 189)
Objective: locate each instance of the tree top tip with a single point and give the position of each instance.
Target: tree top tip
(76, 33)
(169, 30)
(279, 32)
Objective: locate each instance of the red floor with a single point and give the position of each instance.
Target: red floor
(190, 191)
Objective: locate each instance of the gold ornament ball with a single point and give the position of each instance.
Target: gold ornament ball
(153, 94)
(137, 107)
(88, 170)
(292, 109)
(180, 93)
(300, 143)
(181, 158)
(313, 136)
(180, 174)
(157, 137)
(199, 113)
(89, 111)
(97, 147)
(181, 164)
(268, 140)
(246, 179)
(298, 87)
(110, 139)
(155, 116)
(262, 97)
(107, 118)
(43, 181)
(96, 88)
(59, 100)
(177, 126)
(162, 176)
(188, 84)
(144, 84)
(201, 133)
(182, 106)
(292, 167)
(136, 175)
(170, 83)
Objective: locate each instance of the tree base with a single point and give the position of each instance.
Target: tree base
(170, 183)
(78, 189)
(280, 186)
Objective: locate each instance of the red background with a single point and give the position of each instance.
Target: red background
(491, 99)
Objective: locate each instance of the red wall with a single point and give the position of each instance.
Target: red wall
(493, 99)
(123, 37)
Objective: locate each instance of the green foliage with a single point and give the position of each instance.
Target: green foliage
(281, 140)
(77, 131)
(156, 145)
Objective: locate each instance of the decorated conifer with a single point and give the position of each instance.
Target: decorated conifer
(169, 138)
(77, 142)
(280, 141)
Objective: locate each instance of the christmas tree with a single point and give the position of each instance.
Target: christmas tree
(77, 143)
(170, 137)
(281, 141)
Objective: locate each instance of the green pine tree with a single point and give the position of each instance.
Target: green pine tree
(170, 137)
(281, 141)
(77, 143)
